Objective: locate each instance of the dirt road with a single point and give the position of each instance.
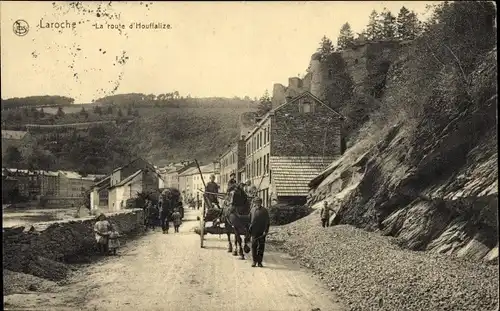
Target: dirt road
(171, 272)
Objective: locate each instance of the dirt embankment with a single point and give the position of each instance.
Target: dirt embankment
(369, 272)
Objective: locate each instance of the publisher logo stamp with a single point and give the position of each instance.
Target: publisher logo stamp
(21, 27)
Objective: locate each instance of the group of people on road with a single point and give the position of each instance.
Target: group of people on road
(167, 210)
(259, 215)
(163, 212)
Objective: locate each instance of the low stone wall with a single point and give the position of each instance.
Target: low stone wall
(285, 214)
(40, 249)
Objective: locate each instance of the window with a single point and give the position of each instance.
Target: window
(269, 133)
(306, 107)
(267, 163)
(265, 136)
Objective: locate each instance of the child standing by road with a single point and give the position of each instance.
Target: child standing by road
(177, 219)
(113, 242)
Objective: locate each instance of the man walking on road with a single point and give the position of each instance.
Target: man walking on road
(325, 215)
(259, 228)
(166, 208)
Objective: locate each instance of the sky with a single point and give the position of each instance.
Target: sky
(221, 49)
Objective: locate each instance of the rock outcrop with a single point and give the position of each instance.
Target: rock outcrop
(432, 184)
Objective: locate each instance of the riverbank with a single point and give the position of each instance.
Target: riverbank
(12, 217)
(370, 272)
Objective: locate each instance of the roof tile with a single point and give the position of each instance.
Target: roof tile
(291, 175)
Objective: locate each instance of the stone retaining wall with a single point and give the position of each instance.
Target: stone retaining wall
(39, 249)
(285, 214)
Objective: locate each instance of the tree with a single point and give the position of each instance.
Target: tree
(98, 110)
(388, 23)
(12, 157)
(120, 113)
(60, 112)
(136, 113)
(110, 110)
(129, 111)
(346, 37)
(84, 113)
(265, 104)
(325, 47)
(373, 29)
(42, 113)
(407, 24)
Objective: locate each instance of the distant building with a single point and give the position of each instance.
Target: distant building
(172, 176)
(73, 185)
(190, 180)
(232, 161)
(29, 182)
(292, 144)
(12, 138)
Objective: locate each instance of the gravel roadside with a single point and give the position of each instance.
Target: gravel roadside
(368, 272)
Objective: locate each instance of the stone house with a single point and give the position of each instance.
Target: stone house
(293, 143)
(232, 161)
(100, 194)
(143, 180)
(138, 175)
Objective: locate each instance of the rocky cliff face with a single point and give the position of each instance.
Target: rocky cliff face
(431, 179)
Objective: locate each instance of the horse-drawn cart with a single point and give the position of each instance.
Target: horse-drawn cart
(213, 214)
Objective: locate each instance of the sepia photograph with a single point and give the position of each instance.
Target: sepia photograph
(249, 156)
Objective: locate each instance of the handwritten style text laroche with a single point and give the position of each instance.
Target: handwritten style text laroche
(57, 25)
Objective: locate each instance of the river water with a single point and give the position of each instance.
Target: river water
(15, 217)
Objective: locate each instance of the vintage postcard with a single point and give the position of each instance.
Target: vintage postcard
(264, 156)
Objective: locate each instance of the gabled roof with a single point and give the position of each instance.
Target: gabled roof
(7, 134)
(105, 181)
(291, 175)
(189, 171)
(128, 179)
(304, 94)
(136, 159)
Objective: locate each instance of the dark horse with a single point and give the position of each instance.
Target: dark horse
(235, 214)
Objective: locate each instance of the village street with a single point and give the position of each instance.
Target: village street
(172, 272)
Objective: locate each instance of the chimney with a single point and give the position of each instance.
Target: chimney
(242, 137)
